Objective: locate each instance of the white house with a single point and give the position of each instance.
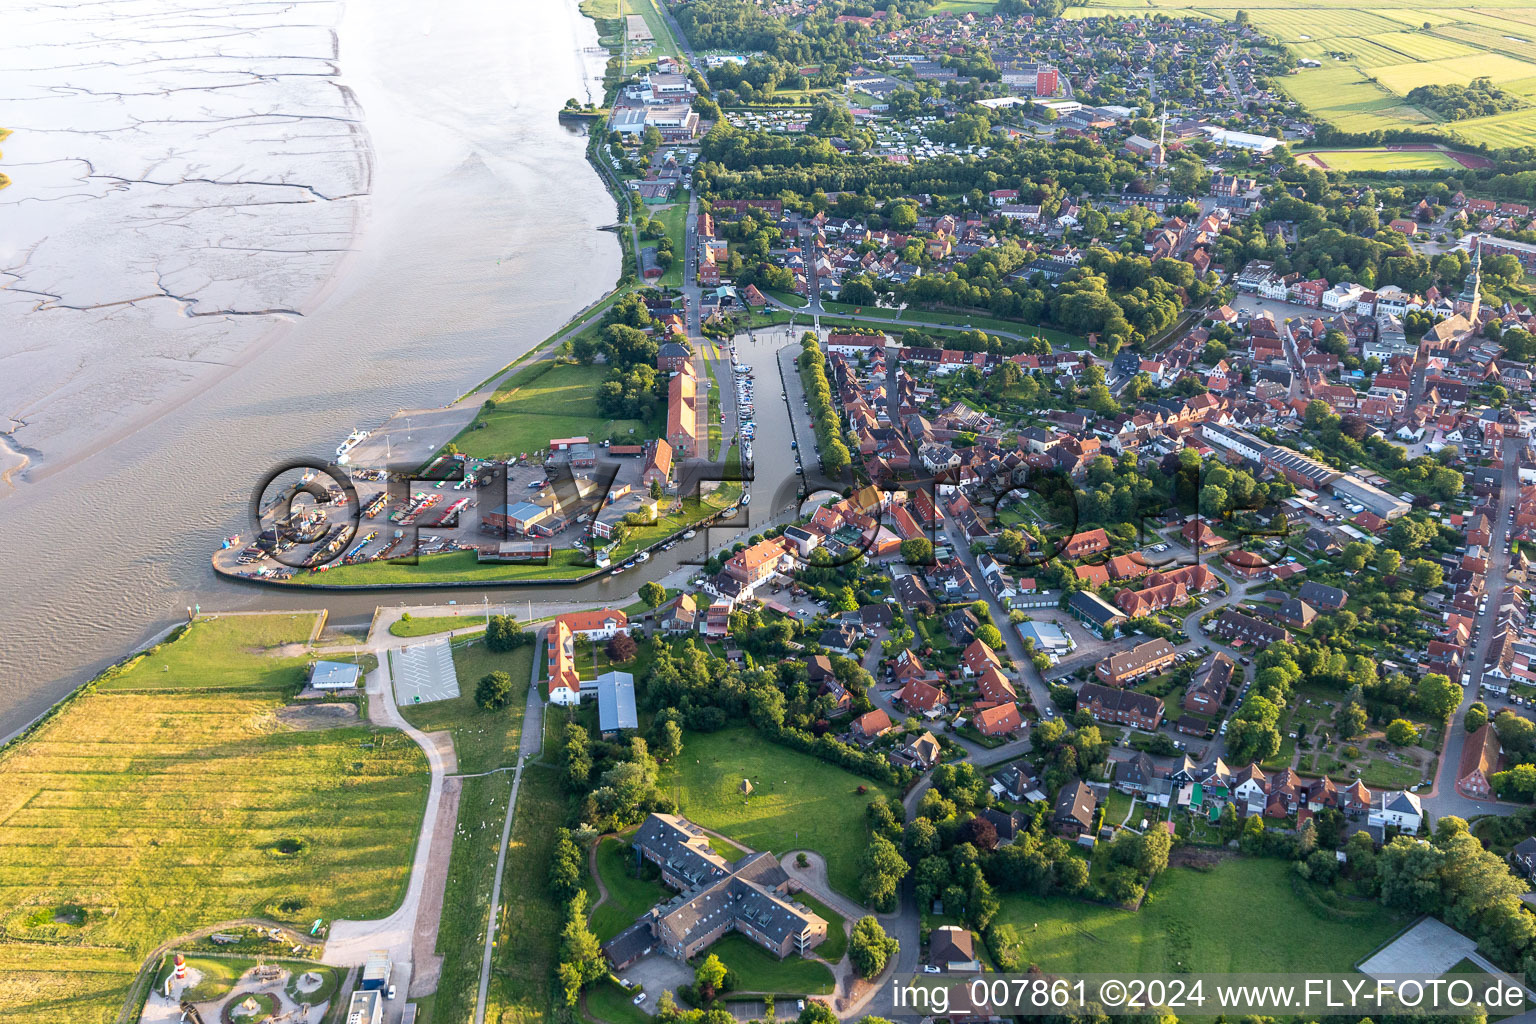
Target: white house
(1342, 296)
(1398, 808)
(602, 624)
(1249, 793)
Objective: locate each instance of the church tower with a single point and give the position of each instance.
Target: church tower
(1471, 298)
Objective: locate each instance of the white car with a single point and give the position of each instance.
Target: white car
(639, 998)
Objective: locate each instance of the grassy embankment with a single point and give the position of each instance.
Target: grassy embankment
(482, 741)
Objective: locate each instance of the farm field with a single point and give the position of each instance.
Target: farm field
(1511, 128)
(1187, 923)
(184, 794)
(798, 802)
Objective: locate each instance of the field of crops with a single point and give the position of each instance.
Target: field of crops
(1425, 46)
(183, 793)
(1512, 128)
(1304, 23)
(1514, 41)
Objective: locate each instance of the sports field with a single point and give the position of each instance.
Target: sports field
(185, 792)
(1347, 160)
(1371, 57)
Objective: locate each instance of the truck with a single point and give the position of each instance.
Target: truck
(376, 971)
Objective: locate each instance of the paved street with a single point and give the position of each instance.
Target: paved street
(1443, 798)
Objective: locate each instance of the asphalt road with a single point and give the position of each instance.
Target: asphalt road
(1444, 799)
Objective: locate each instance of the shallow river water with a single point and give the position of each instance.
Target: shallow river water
(235, 232)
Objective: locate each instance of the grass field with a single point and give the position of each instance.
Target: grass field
(693, 510)
(1347, 160)
(1188, 922)
(519, 419)
(176, 796)
(215, 653)
(675, 217)
(530, 921)
(836, 945)
(482, 740)
(628, 896)
(798, 801)
(426, 625)
(760, 971)
(451, 567)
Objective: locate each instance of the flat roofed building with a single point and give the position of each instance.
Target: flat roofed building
(616, 703)
(333, 675)
(365, 1008)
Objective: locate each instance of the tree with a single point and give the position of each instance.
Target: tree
(870, 949)
(1426, 574)
(881, 870)
(1476, 716)
(566, 868)
(709, 976)
(504, 633)
(1402, 733)
(581, 958)
(990, 635)
(494, 691)
(917, 551)
(1351, 720)
(1152, 851)
(669, 740)
(653, 594)
(1439, 697)
(816, 1012)
(1072, 874)
(621, 648)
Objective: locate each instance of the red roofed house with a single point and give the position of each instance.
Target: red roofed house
(564, 685)
(1153, 599)
(871, 726)
(999, 720)
(595, 625)
(682, 412)
(978, 657)
(1479, 760)
(1197, 530)
(995, 687)
(1089, 543)
(750, 566)
(921, 697)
